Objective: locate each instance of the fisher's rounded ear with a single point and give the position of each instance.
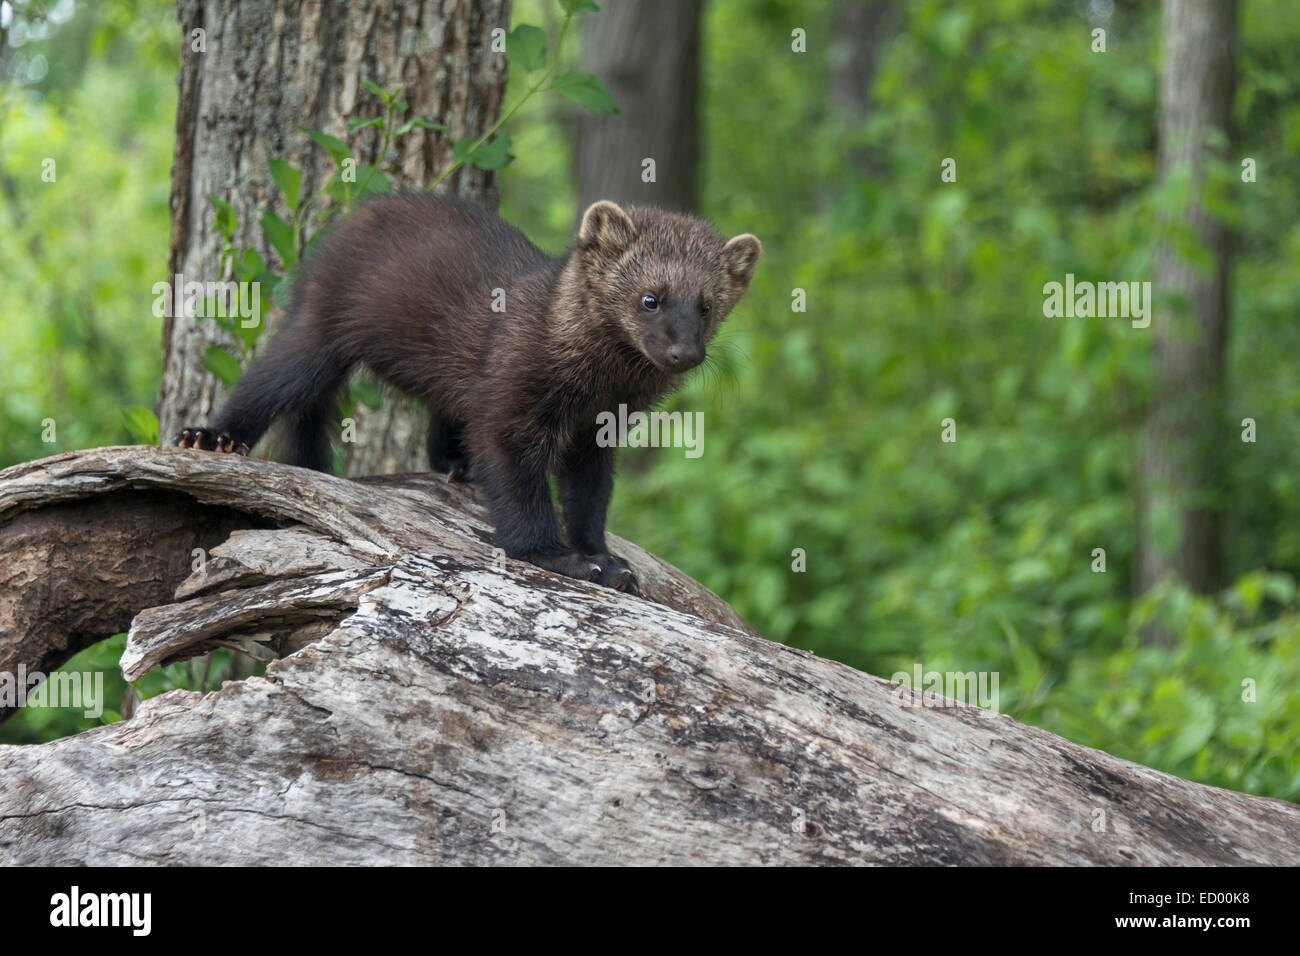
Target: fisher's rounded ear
(741, 255)
(605, 227)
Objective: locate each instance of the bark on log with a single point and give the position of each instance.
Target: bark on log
(442, 707)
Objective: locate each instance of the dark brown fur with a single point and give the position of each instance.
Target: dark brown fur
(405, 286)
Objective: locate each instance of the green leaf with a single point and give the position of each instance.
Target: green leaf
(288, 179)
(248, 334)
(282, 291)
(378, 90)
(268, 283)
(319, 234)
(491, 155)
(222, 364)
(280, 235)
(1195, 726)
(213, 312)
(578, 7)
(142, 423)
(367, 394)
(360, 122)
(422, 123)
(337, 149)
(386, 95)
(251, 265)
(585, 89)
(377, 183)
(526, 47)
(338, 190)
(226, 220)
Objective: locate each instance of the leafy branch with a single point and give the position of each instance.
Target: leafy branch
(526, 49)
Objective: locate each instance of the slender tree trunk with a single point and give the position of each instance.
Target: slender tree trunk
(1183, 444)
(268, 67)
(648, 54)
(862, 27)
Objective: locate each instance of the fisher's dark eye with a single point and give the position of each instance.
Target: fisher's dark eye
(705, 308)
(649, 303)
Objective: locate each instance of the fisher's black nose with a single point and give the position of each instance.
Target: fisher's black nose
(681, 357)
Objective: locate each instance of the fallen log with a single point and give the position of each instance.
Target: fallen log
(442, 704)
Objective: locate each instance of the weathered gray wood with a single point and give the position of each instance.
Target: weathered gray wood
(453, 711)
(71, 576)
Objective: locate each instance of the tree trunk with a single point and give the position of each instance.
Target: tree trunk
(272, 66)
(862, 28)
(440, 706)
(1184, 440)
(648, 54)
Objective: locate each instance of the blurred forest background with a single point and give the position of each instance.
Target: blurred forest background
(924, 302)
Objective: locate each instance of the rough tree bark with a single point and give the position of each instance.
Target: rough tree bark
(270, 67)
(648, 54)
(441, 706)
(1184, 435)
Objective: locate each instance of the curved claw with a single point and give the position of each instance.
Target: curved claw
(205, 439)
(616, 573)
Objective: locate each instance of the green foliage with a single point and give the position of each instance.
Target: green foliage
(336, 148)
(225, 221)
(367, 394)
(80, 254)
(526, 47)
(288, 180)
(221, 364)
(281, 236)
(493, 155)
(142, 423)
(585, 89)
(526, 51)
(1219, 706)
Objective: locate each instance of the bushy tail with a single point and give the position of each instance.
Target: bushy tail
(296, 380)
